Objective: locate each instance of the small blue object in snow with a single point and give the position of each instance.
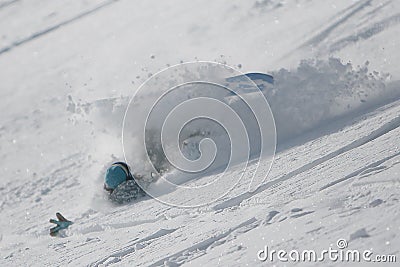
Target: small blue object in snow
(61, 223)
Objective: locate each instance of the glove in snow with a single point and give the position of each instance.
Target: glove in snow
(61, 223)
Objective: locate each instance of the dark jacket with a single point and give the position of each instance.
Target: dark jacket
(126, 192)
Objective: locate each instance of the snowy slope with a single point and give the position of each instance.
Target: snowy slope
(68, 70)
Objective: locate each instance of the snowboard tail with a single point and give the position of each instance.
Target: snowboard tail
(254, 76)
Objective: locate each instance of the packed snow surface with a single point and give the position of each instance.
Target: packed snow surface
(69, 70)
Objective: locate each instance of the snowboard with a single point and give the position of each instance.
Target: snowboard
(256, 77)
(262, 80)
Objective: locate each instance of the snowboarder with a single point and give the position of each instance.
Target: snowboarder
(121, 184)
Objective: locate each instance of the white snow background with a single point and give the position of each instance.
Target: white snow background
(68, 69)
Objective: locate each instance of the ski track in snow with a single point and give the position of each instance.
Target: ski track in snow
(353, 10)
(393, 124)
(137, 245)
(200, 248)
(363, 171)
(4, 4)
(366, 33)
(52, 28)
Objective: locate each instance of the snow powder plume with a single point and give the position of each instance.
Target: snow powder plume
(319, 91)
(301, 100)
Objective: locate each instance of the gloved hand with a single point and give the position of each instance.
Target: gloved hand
(62, 223)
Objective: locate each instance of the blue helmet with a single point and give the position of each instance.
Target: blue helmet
(117, 174)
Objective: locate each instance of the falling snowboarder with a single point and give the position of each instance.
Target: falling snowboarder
(121, 184)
